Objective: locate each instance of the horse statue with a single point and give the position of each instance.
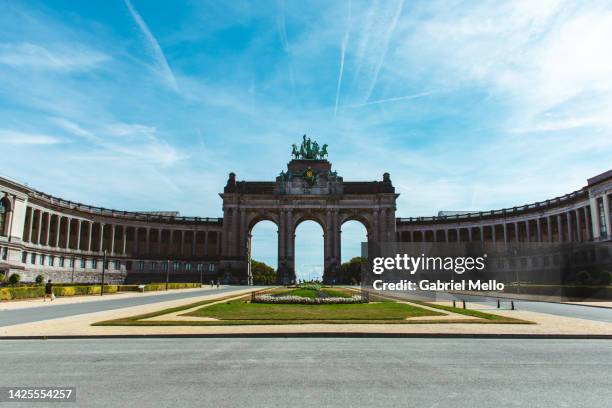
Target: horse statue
(294, 151)
(323, 152)
(315, 150)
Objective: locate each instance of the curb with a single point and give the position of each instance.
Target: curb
(321, 335)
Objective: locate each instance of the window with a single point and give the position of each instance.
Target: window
(188, 267)
(153, 266)
(41, 259)
(51, 260)
(24, 257)
(200, 267)
(61, 261)
(3, 214)
(211, 267)
(82, 263)
(32, 258)
(140, 266)
(176, 266)
(164, 266)
(117, 265)
(4, 253)
(94, 264)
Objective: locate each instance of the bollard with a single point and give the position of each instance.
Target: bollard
(512, 304)
(498, 305)
(464, 303)
(454, 303)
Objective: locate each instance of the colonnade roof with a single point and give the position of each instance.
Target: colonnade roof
(574, 196)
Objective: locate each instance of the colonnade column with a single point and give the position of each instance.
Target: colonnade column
(594, 218)
(549, 228)
(578, 225)
(78, 246)
(606, 206)
(39, 226)
(560, 227)
(69, 227)
(90, 236)
(48, 229)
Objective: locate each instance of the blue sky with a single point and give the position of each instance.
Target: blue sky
(145, 105)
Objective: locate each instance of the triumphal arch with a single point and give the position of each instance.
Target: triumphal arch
(307, 190)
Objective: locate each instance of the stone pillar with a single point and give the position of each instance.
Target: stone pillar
(587, 227)
(123, 239)
(68, 230)
(505, 233)
(90, 226)
(594, 218)
(101, 247)
(112, 248)
(31, 224)
(493, 236)
(560, 227)
(482, 238)
(527, 231)
(578, 225)
(194, 243)
(549, 228)
(570, 231)
(606, 205)
(48, 229)
(58, 226)
(79, 225)
(39, 226)
(148, 241)
(469, 234)
(182, 244)
(539, 230)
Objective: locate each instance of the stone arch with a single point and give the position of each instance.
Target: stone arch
(316, 216)
(365, 219)
(6, 207)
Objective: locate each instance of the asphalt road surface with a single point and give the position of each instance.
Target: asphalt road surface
(309, 372)
(599, 314)
(111, 302)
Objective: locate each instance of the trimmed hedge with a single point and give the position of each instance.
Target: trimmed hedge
(28, 292)
(21, 292)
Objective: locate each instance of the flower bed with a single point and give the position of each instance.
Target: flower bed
(305, 300)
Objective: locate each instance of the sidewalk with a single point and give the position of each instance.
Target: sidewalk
(67, 300)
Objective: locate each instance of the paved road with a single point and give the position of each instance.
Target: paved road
(559, 309)
(34, 314)
(308, 372)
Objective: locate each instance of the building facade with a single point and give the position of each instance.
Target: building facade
(68, 242)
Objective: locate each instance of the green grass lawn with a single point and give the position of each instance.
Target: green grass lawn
(241, 310)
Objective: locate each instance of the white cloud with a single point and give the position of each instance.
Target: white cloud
(158, 54)
(64, 58)
(15, 137)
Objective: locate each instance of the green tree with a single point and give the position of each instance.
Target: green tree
(350, 272)
(262, 274)
(14, 279)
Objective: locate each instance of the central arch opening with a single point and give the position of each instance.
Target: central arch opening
(264, 253)
(309, 254)
(353, 234)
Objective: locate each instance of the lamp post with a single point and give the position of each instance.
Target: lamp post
(73, 266)
(167, 273)
(103, 270)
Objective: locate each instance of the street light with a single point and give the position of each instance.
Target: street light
(103, 270)
(167, 273)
